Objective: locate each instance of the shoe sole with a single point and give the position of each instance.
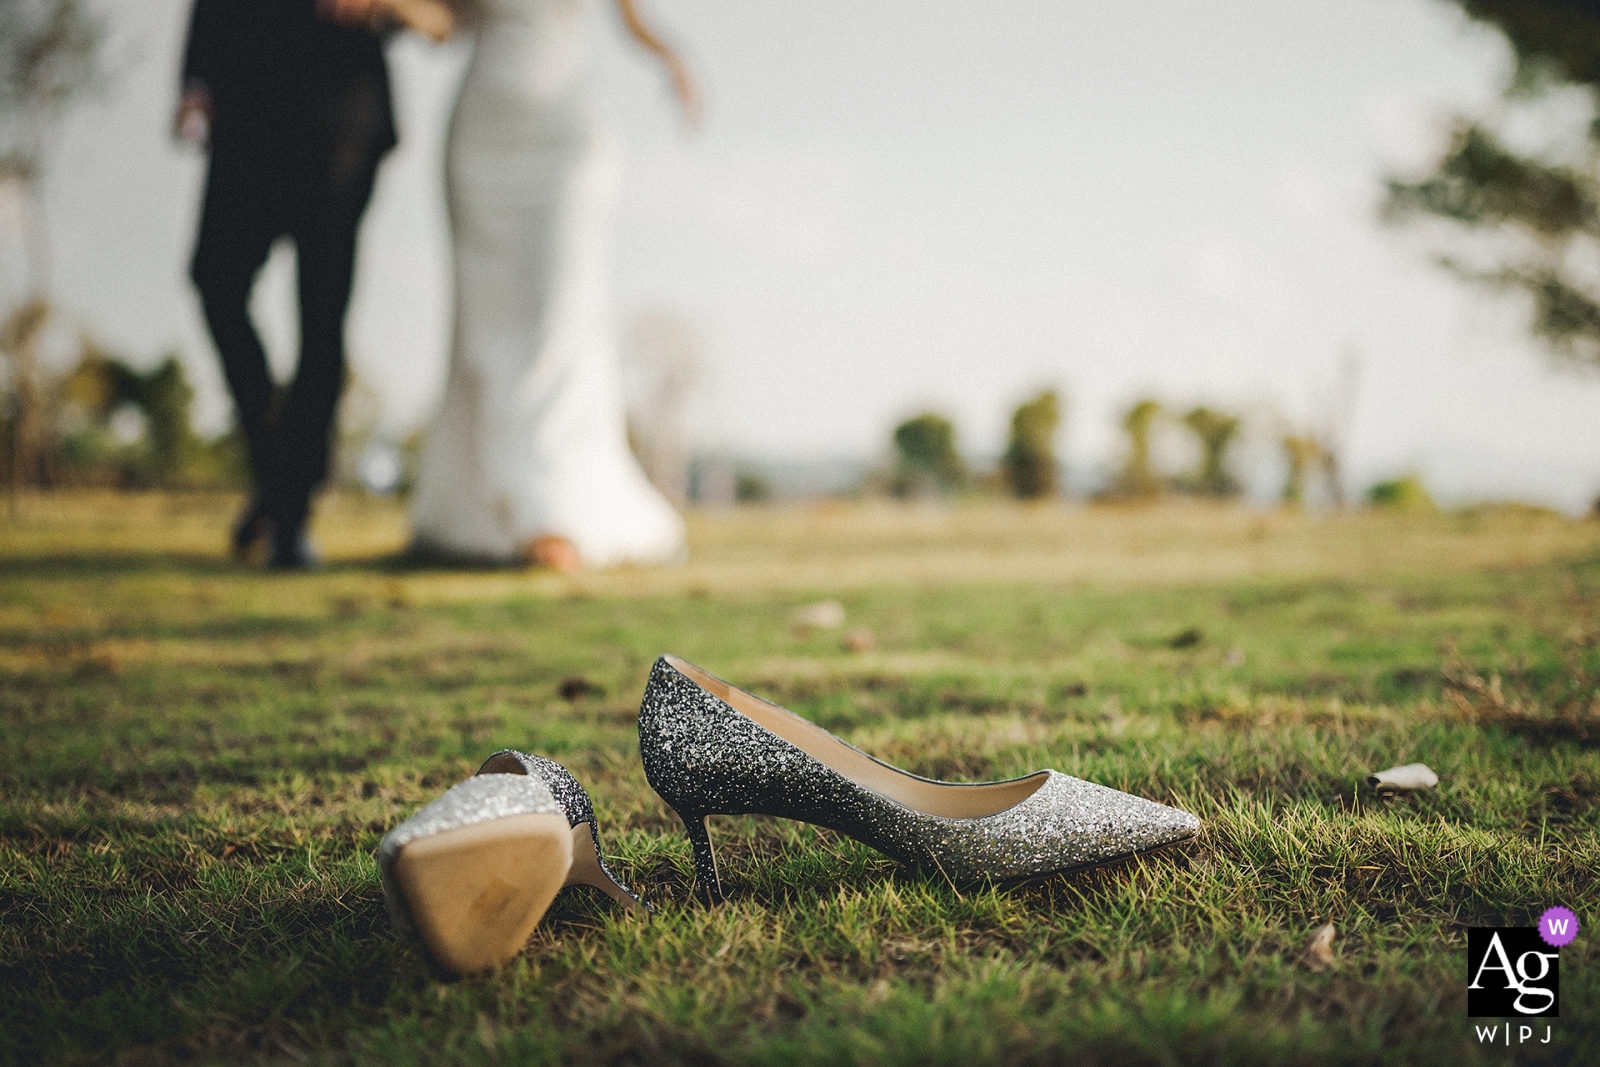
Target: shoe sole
(475, 894)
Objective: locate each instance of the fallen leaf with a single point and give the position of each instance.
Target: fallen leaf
(1319, 950)
(1403, 779)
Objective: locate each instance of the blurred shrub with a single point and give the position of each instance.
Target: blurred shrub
(1138, 477)
(164, 395)
(927, 458)
(1405, 493)
(751, 488)
(1029, 461)
(115, 425)
(1302, 456)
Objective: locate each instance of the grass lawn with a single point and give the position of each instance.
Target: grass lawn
(200, 761)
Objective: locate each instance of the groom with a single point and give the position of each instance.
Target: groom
(297, 115)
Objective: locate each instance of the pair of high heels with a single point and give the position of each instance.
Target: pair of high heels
(474, 871)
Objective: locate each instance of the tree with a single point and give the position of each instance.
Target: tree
(1138, 475)
(928, 460)
(164, 395)
(1030, 458)
(27, 458)
(48, 58)
(1216, 433)
(1303, 456)
(1514, 220)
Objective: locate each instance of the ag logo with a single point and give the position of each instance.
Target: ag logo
(1511, 971)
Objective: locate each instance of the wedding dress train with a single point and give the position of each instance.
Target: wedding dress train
(531, 440)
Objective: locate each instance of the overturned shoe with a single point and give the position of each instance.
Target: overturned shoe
(474, 872)
(291, 548)
(712, 749)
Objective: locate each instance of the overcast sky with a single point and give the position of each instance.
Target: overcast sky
(901, 205)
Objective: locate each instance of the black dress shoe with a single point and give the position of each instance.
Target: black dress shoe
(292, 548)
(248, 529)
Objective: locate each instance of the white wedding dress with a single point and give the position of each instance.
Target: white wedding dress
(531, 439)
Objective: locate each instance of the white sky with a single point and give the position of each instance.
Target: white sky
(898, 205)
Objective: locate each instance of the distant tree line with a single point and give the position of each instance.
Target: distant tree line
(929, 462)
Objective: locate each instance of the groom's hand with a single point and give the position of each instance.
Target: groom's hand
(193, 120)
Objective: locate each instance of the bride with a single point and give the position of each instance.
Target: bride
(528, 459)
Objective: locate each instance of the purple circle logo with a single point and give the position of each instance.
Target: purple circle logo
(1558, 926)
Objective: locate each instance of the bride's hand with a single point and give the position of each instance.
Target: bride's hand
(688, 93)
(682, 83)
(434, 19)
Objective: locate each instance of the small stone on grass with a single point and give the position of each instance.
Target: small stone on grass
(576, 687)
(1187, 638)
(823, 615)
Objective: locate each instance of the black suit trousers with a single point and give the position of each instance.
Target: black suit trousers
(259, 189)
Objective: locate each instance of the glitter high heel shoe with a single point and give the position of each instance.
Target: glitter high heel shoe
(473, 872)
(712, 749)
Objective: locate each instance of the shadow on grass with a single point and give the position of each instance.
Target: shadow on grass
(111, 564)
(767, 861)
(96, 564)
(206, 990)
(214, 629)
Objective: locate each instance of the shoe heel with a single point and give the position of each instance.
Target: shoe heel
(705, 859)
(589, 869)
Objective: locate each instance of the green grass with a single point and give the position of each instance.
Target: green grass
(200, 761)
